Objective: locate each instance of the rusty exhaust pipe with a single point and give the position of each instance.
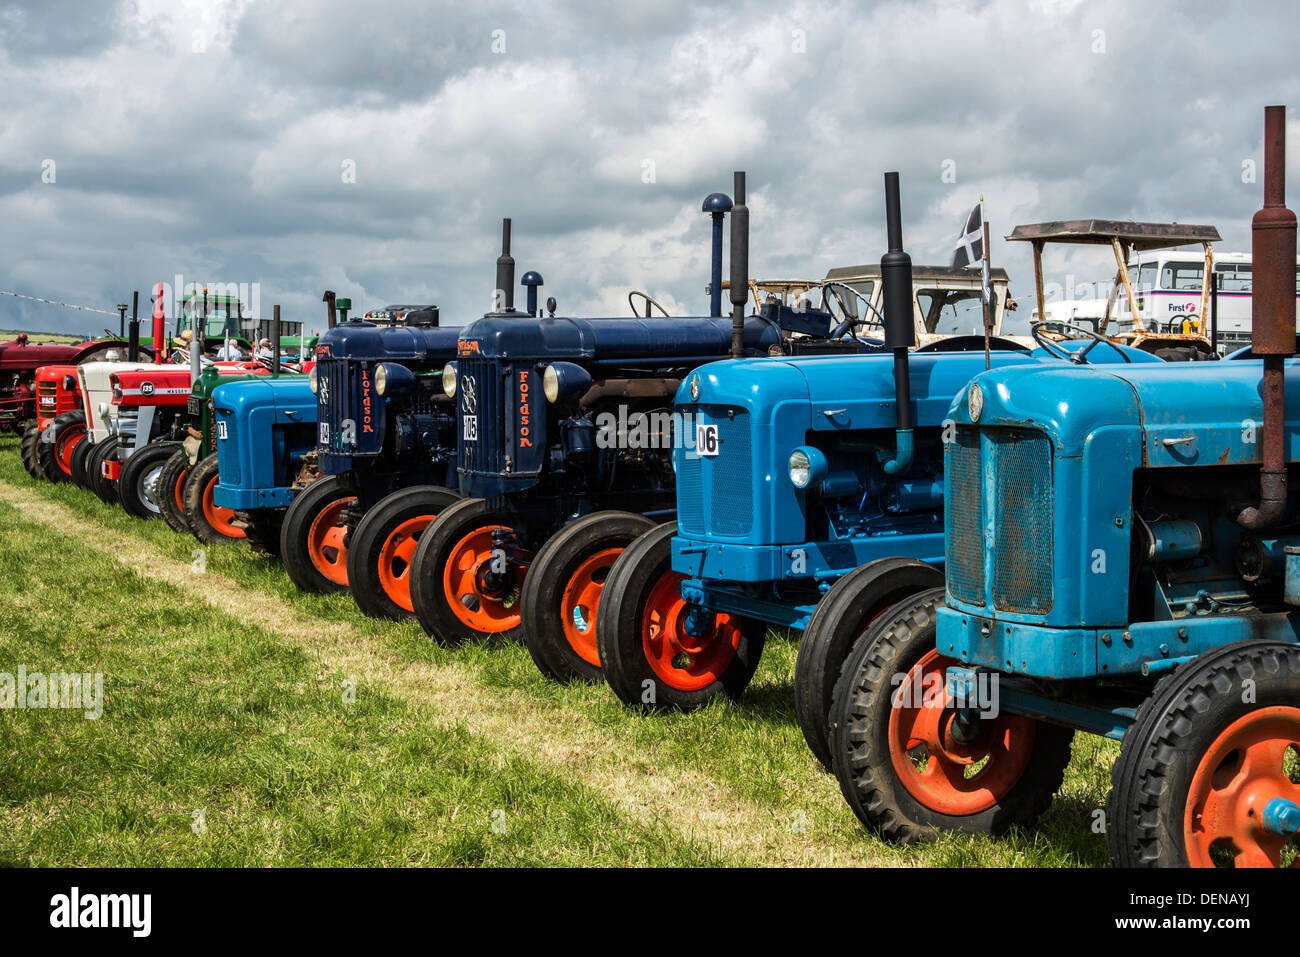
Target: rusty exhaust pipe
(1272, 336)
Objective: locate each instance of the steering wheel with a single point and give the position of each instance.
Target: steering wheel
(848, 324)
(1084, 332)
(631, 301)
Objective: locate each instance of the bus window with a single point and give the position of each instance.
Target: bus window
(1182, 277)
(1146, 278)
(1234, 277)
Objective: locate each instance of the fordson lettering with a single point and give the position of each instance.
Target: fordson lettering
(524, 441)
(367, 415)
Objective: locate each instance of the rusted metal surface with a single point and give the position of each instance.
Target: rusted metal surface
(1273, 248)
(1102, 232)
(1121, 261)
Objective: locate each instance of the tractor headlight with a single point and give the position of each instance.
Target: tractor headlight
(117, 392)
(975, 402)
(381, 379)
(449, 379)
(392, 378)
(312, 381)
(564, 382)
(807, 467)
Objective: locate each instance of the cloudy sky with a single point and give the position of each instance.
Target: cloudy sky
(372, 148)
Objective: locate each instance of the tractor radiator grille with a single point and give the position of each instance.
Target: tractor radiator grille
(480, 405)
(1016, 506)
(715, 493)
(335, 403)
(690, 494)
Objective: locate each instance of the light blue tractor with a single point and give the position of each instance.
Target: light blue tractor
(1123, 558)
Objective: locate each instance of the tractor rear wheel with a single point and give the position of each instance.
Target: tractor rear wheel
(171, 491)
(57, 443)
(562, 592)
(910, 763)
(312, 538)
(210, 523)
(103, 452)
(658, 651)
(1209, 772)
(30, 452)
(139, 487)
(840, 619)
(381, 552)
(80, 456)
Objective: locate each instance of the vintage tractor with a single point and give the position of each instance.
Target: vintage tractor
(567, 424)
(19, 360)
(801, 470)
(48, 449)
(383, 423)
(1123, 558)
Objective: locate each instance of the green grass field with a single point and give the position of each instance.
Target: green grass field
(49, 338)
(247, 724)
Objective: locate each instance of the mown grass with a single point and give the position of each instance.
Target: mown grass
(209, 712)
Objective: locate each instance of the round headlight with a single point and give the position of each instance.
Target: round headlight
(800, 469)
(975, 402)
(312, 382)
(381, 378)
(551, 384)
(449, 379)
(117, 392)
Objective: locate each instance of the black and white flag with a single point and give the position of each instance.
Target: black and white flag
(970, 244)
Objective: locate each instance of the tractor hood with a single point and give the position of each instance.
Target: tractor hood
(365, 341)
(291, 398)
(507, 336)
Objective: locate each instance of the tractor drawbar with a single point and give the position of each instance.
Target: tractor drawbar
(1273, 251)
(739, 267)
(896, 278)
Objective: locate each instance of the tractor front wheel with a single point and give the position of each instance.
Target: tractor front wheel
(31, 452)
(313, 536)
(171, 491)
(139, 486)
(562, 592)
(1209, 772)
(910, 763)
(381, 553)
(840, 619)
(210, 523)
(463, 586)
(58, 442)
(103, 452)
(80, 456)
(657, 650)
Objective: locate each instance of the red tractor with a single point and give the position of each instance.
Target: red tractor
(19, 361)
(48, 449)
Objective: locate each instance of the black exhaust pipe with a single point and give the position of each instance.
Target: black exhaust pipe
(331, 313)
(133, 330)
(739, 266)
(505, 271)
(900, 330)
(275, 339)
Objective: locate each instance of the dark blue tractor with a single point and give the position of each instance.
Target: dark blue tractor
(382, 423)
(565, 451)
(1123, 558)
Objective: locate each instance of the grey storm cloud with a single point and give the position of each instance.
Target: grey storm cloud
(214, 139)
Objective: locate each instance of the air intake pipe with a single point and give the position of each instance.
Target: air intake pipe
(505, 292)
(739, 266)
(717, 205)
(900, 334)
(1273, 336)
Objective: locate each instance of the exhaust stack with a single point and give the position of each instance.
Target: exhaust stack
(739, 266)
(133, 329)
(1273, 336)
(900, 331)
(275, 339)
(159, 323)
(331, 313)
(505, 292)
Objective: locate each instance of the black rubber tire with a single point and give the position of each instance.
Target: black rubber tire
(48, 447)
(28, 449)
(541, 602)
(860, 753)
(631, 581)
(80, 456)
(368, 539)
(1170, 734)
(143, 464)
(263, 530)
(428, 594)
(105, 451)
(203, 474)
(294, 532)
(174, 474)
(839, 619)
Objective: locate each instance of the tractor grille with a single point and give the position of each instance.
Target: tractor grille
(727, 507)
(47, 397)
(334, 404)
(1019, 500)
(480, 405)
(128, 425)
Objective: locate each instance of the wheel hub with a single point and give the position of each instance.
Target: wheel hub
(149, 488)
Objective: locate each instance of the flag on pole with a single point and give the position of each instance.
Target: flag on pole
(970, 244)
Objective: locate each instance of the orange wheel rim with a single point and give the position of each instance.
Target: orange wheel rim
(1239, 774)
(180, 487)
(681, 660)
(67, 445)
(578, 604)
(948, 775)
(485, 614)
(395, 559)
(325, 545)
(218, 517)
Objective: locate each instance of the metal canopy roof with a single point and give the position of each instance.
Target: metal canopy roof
(1101, 232)
(845, 273)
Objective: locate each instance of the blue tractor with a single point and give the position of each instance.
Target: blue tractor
(802, 470)
(1123, 558)
(265, 439)
(565, 453)
(383, 423)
